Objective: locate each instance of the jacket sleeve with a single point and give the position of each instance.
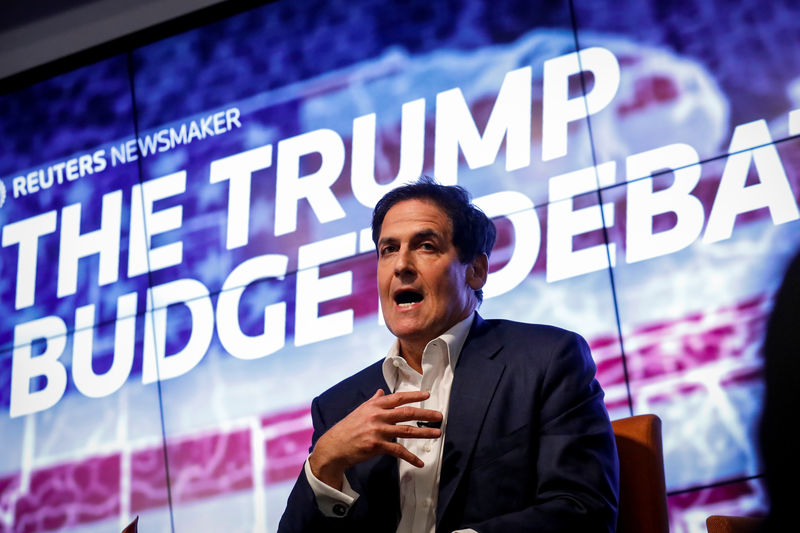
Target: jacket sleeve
(302, 514)
(376, 509)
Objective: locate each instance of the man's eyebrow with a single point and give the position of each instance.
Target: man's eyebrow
(385, 240)
(418, 236)
(426, 234)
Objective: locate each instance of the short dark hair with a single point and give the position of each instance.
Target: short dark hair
(473, 232)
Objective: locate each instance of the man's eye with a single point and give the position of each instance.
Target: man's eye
(387, 250)
(427, 246)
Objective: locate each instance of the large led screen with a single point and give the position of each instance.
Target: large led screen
(186, 260)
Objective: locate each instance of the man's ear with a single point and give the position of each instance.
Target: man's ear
(477, 271)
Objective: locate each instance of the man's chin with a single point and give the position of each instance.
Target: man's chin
(405, 329)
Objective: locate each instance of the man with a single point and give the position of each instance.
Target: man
(468, 425)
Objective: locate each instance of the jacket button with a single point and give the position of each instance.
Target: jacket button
(339, 509)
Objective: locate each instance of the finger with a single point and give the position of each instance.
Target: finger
(399, 451)
(378, 394)
(405, 414)
(402, 398)
(404, 431)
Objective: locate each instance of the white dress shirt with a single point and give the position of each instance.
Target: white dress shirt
(419, 487)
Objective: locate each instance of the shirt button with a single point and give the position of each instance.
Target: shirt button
(427, 448)
(396, 363)
(339, 509)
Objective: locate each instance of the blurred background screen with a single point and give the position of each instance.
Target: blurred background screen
(186, 260)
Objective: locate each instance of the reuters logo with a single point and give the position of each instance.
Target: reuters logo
(2, 193)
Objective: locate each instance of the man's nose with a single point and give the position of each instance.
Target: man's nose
(404, 265)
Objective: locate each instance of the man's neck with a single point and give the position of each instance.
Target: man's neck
(412, 350)
(412, 353)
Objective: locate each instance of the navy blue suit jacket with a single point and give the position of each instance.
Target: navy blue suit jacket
(528, 443)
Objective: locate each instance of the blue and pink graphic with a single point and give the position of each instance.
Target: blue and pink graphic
(186, 260)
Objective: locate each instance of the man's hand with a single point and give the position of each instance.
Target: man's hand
(370, 430)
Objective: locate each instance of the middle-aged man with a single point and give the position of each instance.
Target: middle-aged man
(467, 424)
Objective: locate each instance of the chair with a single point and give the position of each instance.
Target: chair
(642, 489)
(732, 524)
(133, 527)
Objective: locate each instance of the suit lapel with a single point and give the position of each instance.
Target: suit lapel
(474, 382)
(371, 381)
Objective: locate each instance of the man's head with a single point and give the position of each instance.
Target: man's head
(433, 247)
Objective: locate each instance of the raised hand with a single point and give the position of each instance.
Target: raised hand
(370, 430)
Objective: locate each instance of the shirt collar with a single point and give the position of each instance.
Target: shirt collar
(453, 338)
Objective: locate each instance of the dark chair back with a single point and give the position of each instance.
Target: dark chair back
(732, 524)
(642, 489)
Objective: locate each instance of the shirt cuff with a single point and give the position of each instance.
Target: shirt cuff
(333, 503)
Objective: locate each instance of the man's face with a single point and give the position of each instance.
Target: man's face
(424, 288)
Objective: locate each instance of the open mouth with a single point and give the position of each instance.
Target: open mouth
(407, 298)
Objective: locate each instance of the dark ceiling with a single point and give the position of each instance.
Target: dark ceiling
(20, 12)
